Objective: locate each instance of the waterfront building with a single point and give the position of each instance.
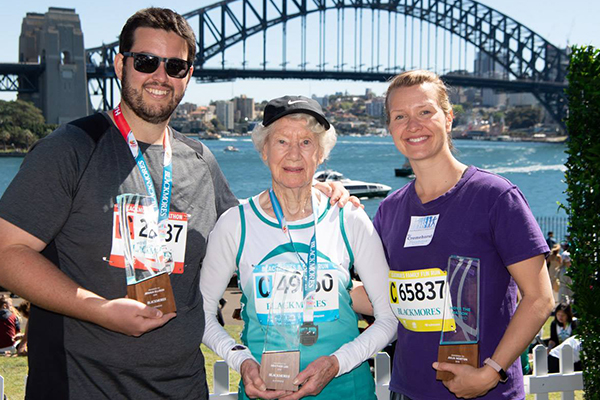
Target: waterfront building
(375, 107)
(244, 109)
(225, 112)
(323, 101)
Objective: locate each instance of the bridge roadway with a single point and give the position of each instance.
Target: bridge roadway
(22, 77)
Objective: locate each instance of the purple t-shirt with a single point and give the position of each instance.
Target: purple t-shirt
(484, 216)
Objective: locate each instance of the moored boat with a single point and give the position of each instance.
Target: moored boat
(356, 188)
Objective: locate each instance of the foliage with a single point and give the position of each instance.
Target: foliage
(523, 117)
(21, 124)
(218, 126)
(459, 114)
(583, 195)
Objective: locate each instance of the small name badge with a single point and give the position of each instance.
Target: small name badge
(421, 230)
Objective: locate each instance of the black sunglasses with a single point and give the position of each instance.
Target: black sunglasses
(148, 63)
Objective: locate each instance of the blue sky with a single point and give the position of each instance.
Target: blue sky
(558, 21)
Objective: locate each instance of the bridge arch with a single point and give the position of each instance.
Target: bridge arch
(525, 60)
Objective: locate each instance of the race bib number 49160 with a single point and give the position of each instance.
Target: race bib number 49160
(417, 299)
(279, 294)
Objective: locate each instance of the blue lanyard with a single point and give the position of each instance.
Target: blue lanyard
(162, 204)
(310, 277)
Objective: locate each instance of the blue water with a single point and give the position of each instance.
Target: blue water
(537, 168)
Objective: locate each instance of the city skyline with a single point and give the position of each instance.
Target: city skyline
(550, 19)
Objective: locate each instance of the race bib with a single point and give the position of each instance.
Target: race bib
(421, 230)
(278, 294)
(175, 238)
(417, 299)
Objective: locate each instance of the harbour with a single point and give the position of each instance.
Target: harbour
(536, 168)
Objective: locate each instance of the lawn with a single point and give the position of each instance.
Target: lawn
(14, 369)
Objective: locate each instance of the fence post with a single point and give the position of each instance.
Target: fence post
(382, 376)
(540, 367)
(221, 382)
(1, 387)
(566, 367)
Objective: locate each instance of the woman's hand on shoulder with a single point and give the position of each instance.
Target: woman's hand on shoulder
(337, 193)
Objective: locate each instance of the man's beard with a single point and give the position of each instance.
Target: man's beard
(135, 101)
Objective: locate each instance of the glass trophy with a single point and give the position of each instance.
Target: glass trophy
(280, 362)
(148, 260)
(459, 342)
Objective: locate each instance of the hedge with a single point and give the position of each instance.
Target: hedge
(583, 194)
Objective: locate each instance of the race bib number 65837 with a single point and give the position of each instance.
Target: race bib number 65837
(417, 299)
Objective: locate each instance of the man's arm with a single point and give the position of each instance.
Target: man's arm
(531, 276)
(24, 271)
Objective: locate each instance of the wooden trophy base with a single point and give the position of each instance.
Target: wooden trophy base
(457, 354)
(155, 292)
(278, 369)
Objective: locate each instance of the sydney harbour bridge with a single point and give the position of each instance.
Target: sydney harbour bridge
(468, 43)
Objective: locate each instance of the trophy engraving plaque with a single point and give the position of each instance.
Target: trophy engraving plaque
(147, 260)
(459, 343)
(279, 368)
(280, 290)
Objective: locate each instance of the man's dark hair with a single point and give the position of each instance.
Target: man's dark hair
(158, 18)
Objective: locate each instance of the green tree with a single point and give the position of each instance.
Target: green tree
(5, 137)
(523, 117)
(21, 124)
(583, 194)
(217, 124)
(459, 113)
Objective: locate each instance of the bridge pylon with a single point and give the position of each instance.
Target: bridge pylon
(55, 40)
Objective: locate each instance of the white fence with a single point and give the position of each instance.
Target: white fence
(382, 379)
(566, 381)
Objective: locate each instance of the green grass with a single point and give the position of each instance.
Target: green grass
(210, 358)
(14, 369)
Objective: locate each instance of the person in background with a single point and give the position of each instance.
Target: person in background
(565, 294)
(282, 235)
(24, 309)
(554, 263)
(10, 325)
(550, 239)
(554, 355)
(563, 326)
(454, 209)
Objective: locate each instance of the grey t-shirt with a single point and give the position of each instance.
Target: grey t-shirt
(64, 195)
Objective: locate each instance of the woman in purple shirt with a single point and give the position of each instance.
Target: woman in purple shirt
(454, 209)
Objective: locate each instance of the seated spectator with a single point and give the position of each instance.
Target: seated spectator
(554, 355)
(9, 325)
(563, 326)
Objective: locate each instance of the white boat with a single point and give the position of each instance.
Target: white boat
(231, 149)
(356, 188)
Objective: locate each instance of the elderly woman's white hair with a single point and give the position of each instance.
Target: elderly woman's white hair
(325, 137)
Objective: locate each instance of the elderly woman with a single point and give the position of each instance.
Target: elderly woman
(290, 231)
(454, 209)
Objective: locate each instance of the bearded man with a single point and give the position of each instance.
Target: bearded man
(59, 238)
